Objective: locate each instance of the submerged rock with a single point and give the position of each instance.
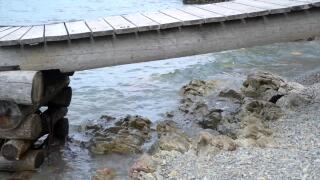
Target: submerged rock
(125, 137)
(203, 1)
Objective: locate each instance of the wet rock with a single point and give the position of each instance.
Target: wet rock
(264, 86)
(203, 1)
(232, 94)
(263, 109)
(172, 138)
(142, 167)
(104, 174)
(309, 78)
(212, 144)
(125, 137)
(197, 88)
(212, 119)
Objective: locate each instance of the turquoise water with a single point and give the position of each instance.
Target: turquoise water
(30, 12)
(148, 89)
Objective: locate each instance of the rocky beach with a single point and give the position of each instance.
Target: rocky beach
(265, 129)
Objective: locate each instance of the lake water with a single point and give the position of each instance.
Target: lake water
(147, 89)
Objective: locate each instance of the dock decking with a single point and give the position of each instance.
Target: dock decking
(114, 28)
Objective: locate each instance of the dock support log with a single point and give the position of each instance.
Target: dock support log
(23, 121)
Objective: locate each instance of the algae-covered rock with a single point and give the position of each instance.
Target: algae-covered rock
(125, 137)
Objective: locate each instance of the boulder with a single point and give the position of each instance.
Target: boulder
(125, 137)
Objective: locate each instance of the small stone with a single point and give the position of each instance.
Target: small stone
(104, 174)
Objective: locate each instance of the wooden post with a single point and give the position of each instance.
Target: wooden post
(53, 115)
(62, 99)
(30, 161)
(22, 87)
(61, 129)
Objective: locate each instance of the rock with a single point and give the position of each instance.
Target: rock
(104, 174)
(126, 137)
(145, 164)
(265, 86)
(212, 119)
(209, 144)
(309, 78)
(232, 94)
(197, 88)
(172, 138)
(202, 1)
(263, 109)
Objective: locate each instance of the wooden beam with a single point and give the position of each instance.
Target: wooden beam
(30, 129)
(22, 87)
(29, 162)
(14, 149)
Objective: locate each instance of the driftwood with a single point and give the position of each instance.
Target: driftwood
(62, 99)
(22, 87)
(14, 149)
(30, 161)
(30, 129)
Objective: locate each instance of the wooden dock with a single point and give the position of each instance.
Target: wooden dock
(169, 33)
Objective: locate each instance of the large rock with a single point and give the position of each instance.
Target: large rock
(172, 138)
(125, 137)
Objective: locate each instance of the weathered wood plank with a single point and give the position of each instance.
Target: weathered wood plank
(229, 14)
(272, 8)
(99, 27)
(8, 31)
(121, 25)
(34, 35)
(164, 20)
(294, 5)
(315, 3)
(208, 16)
(249, 10)
(142, 22)
(77, 29)
(186, 18)
(14, 37)
(4, 28)
(56, 32)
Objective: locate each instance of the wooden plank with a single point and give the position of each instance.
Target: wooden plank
(34, 35)
(4, 28)
(229, 14)
(315, 3)
(186, 18)
(56, 32)
(164, 20)
(77, 29)
(208, 16)
(249, 10)
(294, 5)
(121, 25)
(14, 37)
(142, 22)
(99, 27)
(272, 8)
(8, 31)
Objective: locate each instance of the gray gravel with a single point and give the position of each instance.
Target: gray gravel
(295, 155)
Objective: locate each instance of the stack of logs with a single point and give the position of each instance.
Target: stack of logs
(33, 105)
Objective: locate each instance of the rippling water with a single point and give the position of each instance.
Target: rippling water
(148, 89)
